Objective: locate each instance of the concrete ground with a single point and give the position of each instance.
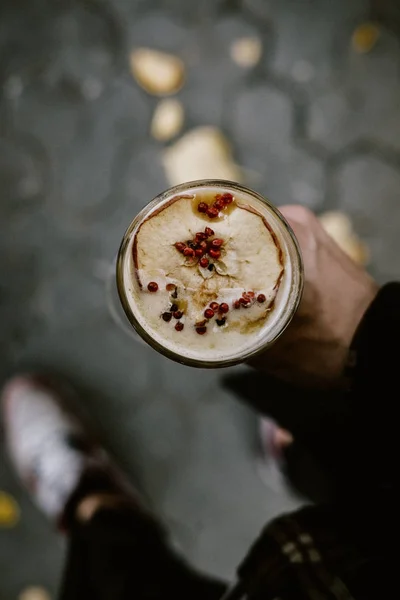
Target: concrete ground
(314, 123)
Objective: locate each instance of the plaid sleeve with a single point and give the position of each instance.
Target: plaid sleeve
(313, 554)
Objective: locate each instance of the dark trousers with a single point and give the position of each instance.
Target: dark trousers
(121, 555)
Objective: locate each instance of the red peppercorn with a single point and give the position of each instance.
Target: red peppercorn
(179, 326)
(208, 313)
(201, 330)
(244, 302)
(202, 207)
(224, 307)
(188, 252)
(236, 304)
(178, 314)
(170, 287)
(204, 262)
(208, 231)
(152, 286)
(203, 245)
(217, 243)
(248, 297)
(214, 253)
(261, 298)
(199, 252)
(214, 306)
(167, 316)
(212, 212)
(180, 246)
(200, 236)
(218, 204)
(227, 198)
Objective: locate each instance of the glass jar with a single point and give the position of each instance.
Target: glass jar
(287, 298)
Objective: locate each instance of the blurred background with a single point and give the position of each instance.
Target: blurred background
(103, 104)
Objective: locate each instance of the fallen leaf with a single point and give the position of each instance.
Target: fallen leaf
(365, 37)
(246, 52)
(157, 72)
(202, 153)
(34, 593)
(339, 226)
(9, 510)
(167, 119)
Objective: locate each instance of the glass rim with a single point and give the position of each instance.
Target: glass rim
(120, 279)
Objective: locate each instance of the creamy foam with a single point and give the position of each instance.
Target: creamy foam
(255, 257)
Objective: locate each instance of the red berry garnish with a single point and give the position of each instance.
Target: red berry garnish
(153, 286)
(178, 314)
(208, 313)
(174, 307)
(224, 307)
(199, 252)
(204, 262)
(214, 306)
(200, 236)
(261, 298)
(208, 231)
(188, 252)
(202, 207)
(170, 287)
(249, 297)
(167, 316)
(212, 212)
(214, 253)
(219, 204)
(227, 198)
(203, 245)
(180, 246)
(217, 243)
(179, 326)
(236, 304)
(201, 330)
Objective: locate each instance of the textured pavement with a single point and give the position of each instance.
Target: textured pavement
(314, 123)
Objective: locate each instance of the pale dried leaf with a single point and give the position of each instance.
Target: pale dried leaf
(246, 52)
(34, 593)
(365, 37)
(339, 226)
(157, 72)
(167, 119)
(202, 153)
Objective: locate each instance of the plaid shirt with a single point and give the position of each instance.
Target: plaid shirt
(315, 554)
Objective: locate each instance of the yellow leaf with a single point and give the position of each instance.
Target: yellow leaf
(9, 510)
(365, 37)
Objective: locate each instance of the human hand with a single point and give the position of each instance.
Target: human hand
(313, 351)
